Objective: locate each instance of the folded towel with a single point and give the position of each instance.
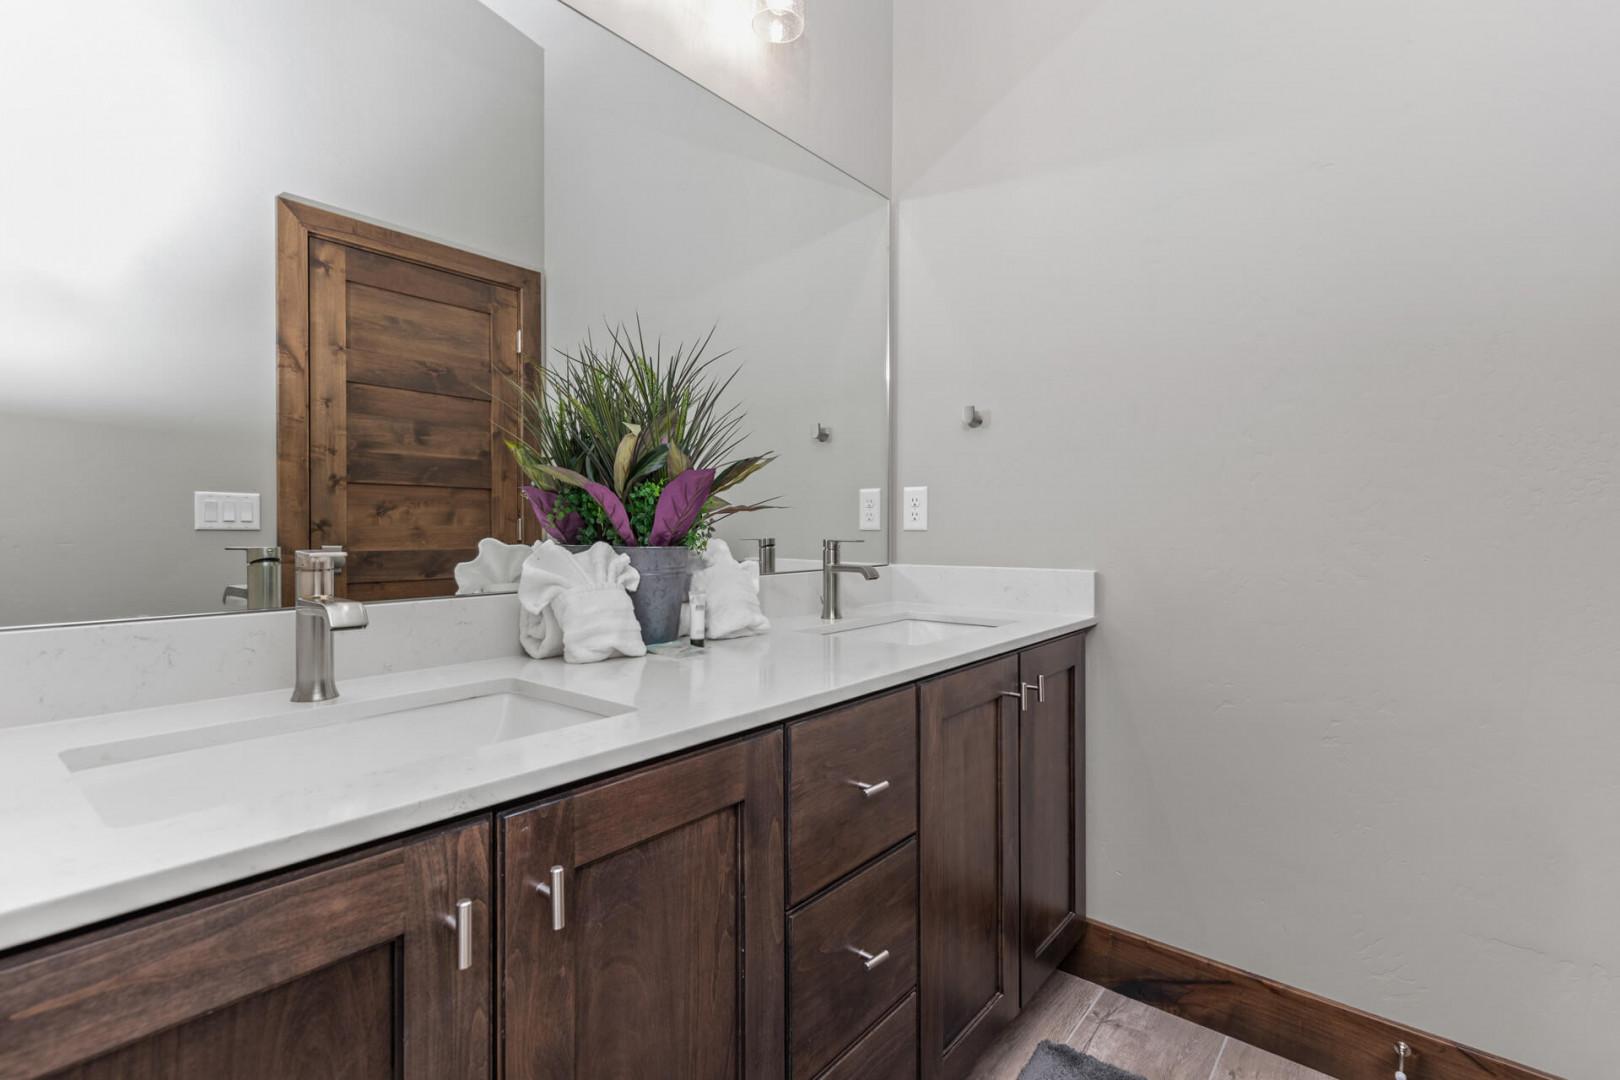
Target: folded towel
(732, 592)
(578, 605)
(495, 570)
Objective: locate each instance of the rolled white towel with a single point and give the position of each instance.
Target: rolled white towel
(578, 605)
(495, 569)
(732, 592)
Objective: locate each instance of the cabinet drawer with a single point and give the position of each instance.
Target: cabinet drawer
(833, 824)
(833, 995)
(887, 1052)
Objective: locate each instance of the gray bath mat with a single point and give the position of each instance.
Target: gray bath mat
(1054, 1061)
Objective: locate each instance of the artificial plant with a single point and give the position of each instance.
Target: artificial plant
(630, 446)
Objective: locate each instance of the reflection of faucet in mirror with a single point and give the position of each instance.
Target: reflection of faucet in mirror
(263, 588)
(831, 567)
(767, 553)
(320, 613)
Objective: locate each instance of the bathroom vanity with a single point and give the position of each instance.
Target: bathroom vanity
(859, 864)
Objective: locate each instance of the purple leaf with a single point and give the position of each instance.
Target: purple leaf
(679, 505)
(613, 508)
(544, 503)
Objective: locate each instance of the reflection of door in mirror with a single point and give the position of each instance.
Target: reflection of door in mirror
(396, 377)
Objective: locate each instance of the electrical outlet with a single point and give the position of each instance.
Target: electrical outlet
(226, 511)
(914, 510)
(871, 509)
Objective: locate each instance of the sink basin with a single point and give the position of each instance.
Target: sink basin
(149, 778)
(906, 630)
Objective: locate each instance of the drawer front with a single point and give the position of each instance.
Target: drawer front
(887, 1052)
(833, 995)
(833, 824)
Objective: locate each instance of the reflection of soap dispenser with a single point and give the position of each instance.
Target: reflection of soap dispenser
(700, 616)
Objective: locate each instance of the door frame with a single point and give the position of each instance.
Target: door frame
(298, 222)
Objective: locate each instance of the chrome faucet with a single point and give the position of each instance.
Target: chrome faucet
(320, 614)
(831, 567)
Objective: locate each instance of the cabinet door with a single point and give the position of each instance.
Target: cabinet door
(1051, 809)
(656, 949)
(355, 969)
(968, 830)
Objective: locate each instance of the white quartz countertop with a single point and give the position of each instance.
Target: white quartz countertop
(84, 840)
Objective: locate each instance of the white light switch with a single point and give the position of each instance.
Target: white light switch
(236, 511)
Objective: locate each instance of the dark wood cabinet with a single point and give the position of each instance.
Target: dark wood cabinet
(852, 788)
(377, 965)
(1051, 808)
(871, 891)
(642, 924)
(968, 832)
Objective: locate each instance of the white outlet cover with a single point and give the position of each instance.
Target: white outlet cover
(871, 509)
(914, 509)
(225, 511)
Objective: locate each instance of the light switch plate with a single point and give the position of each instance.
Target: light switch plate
(871, 509)
(225, 511)
(914, 509)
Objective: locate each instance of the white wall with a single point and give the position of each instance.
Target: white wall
(1299, 322)
(830, 90)
(145, 146)
(663, 201)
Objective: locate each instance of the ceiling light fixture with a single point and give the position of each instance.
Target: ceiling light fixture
(779, 21)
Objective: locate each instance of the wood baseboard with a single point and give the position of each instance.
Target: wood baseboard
(1325, 1035)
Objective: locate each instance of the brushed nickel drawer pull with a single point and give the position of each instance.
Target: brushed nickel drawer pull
(464, 937)
(869, 960)
(555, 892)
(870, 790)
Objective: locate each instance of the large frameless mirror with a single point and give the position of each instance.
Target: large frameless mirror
(268, 267)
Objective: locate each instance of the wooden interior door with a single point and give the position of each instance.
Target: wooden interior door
(351, 970)
(405, 383)
(669, 958)
(968, 829)
(1051, 809)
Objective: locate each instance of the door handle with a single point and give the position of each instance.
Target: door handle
(1022, 693)
(554, 891)
(464, 934)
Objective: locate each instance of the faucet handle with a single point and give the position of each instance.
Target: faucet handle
(317, 570)
(830, 549)
(258, 554)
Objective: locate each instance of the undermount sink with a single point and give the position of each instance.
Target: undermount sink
(905, 630)
(152, 777)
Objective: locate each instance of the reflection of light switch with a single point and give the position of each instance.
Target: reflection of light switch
(225, 510)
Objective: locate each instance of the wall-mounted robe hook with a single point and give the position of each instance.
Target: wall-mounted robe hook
(823, 433)
(1402, 1052)
(972, 417)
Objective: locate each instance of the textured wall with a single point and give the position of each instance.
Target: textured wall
(1299, 323)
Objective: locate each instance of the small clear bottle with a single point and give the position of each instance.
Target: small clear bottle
(700, 617)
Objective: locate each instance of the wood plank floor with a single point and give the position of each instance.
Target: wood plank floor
(1133, 1036)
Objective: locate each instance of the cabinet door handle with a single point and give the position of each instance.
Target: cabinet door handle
(555, 892)
(464, 934)
(1022, 693)
(869, 960)
(870, 790)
